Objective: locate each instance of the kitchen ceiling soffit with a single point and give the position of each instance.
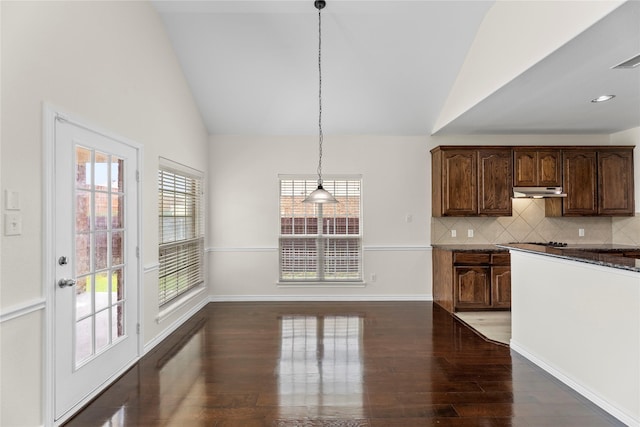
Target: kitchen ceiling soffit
(553, 96)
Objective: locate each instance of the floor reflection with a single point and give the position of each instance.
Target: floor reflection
(181, 375)
(320, 365)
(172, 383)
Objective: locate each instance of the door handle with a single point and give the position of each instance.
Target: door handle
(63, 283)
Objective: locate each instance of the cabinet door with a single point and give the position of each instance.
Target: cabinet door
(615, 183)
(501, 287)
(495, 178)
(472, 287)
(580, 183)
(549, 168)
(535, 168)
(459, 183)
(526, 168)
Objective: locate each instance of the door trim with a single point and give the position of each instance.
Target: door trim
(50, 114)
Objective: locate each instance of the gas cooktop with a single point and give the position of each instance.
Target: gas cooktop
(549, 244)
(556, 244)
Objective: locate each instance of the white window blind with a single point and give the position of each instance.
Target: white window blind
(320, 242)
(181, 225)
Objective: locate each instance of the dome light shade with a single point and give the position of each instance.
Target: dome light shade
(320, 195)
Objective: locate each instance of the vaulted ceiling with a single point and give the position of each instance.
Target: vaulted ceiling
(388, 68)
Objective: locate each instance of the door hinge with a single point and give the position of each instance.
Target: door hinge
(138, 328)
(137, 251)
(137, 176)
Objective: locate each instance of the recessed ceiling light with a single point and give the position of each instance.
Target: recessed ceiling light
(603, 98)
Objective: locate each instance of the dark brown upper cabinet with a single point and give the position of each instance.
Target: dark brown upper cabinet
(454, 183)
(479, 180)
(537, 167)
(580, 183)
(468, 181)
(495, 176)
(615, 182)
(598, 182)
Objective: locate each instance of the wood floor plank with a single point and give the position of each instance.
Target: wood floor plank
(360, 364)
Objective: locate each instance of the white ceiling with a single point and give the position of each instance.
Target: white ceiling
(387, 69)
(554, 96)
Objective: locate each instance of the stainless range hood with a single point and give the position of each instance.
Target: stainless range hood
(537, 192)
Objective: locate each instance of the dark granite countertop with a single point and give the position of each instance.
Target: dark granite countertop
(604, 255)
(609, 247)
(470, 248)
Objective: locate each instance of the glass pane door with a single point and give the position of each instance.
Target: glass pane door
(99, 247)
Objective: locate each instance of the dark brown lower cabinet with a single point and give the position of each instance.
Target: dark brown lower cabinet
(471, 280)
(472, 287)
(501, 286)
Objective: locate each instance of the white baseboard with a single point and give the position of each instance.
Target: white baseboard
(314, 298)
(584, 391)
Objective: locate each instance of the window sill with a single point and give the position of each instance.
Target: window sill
(310, 284)
(168, 309)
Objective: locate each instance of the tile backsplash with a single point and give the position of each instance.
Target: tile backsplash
(528, 224)
(626, 231)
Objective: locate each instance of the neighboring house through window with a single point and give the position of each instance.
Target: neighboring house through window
(181, 224)
(320, 242)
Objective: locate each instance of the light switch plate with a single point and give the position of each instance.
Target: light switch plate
(12, 224)
(11, 200)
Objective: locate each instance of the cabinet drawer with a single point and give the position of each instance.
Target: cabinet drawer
(632, 254)
(471, 258)
(501, 259)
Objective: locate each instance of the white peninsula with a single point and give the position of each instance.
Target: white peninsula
(576, 314)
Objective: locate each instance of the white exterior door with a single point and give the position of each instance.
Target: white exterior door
(97, 268)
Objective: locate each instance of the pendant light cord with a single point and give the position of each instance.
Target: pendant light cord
(320, 97)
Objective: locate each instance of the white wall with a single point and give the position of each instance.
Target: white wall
(396, 172)
(111, 64)
(244, 212)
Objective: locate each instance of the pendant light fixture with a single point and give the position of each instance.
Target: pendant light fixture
(320, 195)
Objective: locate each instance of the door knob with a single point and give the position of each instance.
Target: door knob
(63, 283)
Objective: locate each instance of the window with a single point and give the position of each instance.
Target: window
(181, 226)
(320, 243)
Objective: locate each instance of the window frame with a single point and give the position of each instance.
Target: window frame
(184, 254)
(321, 239)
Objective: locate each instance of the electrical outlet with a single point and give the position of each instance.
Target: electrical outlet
(470, 232)
(12, 224)
(453, 233)
(374, 277)
(581, 232)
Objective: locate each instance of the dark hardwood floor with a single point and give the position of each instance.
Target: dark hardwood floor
(334, 364)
